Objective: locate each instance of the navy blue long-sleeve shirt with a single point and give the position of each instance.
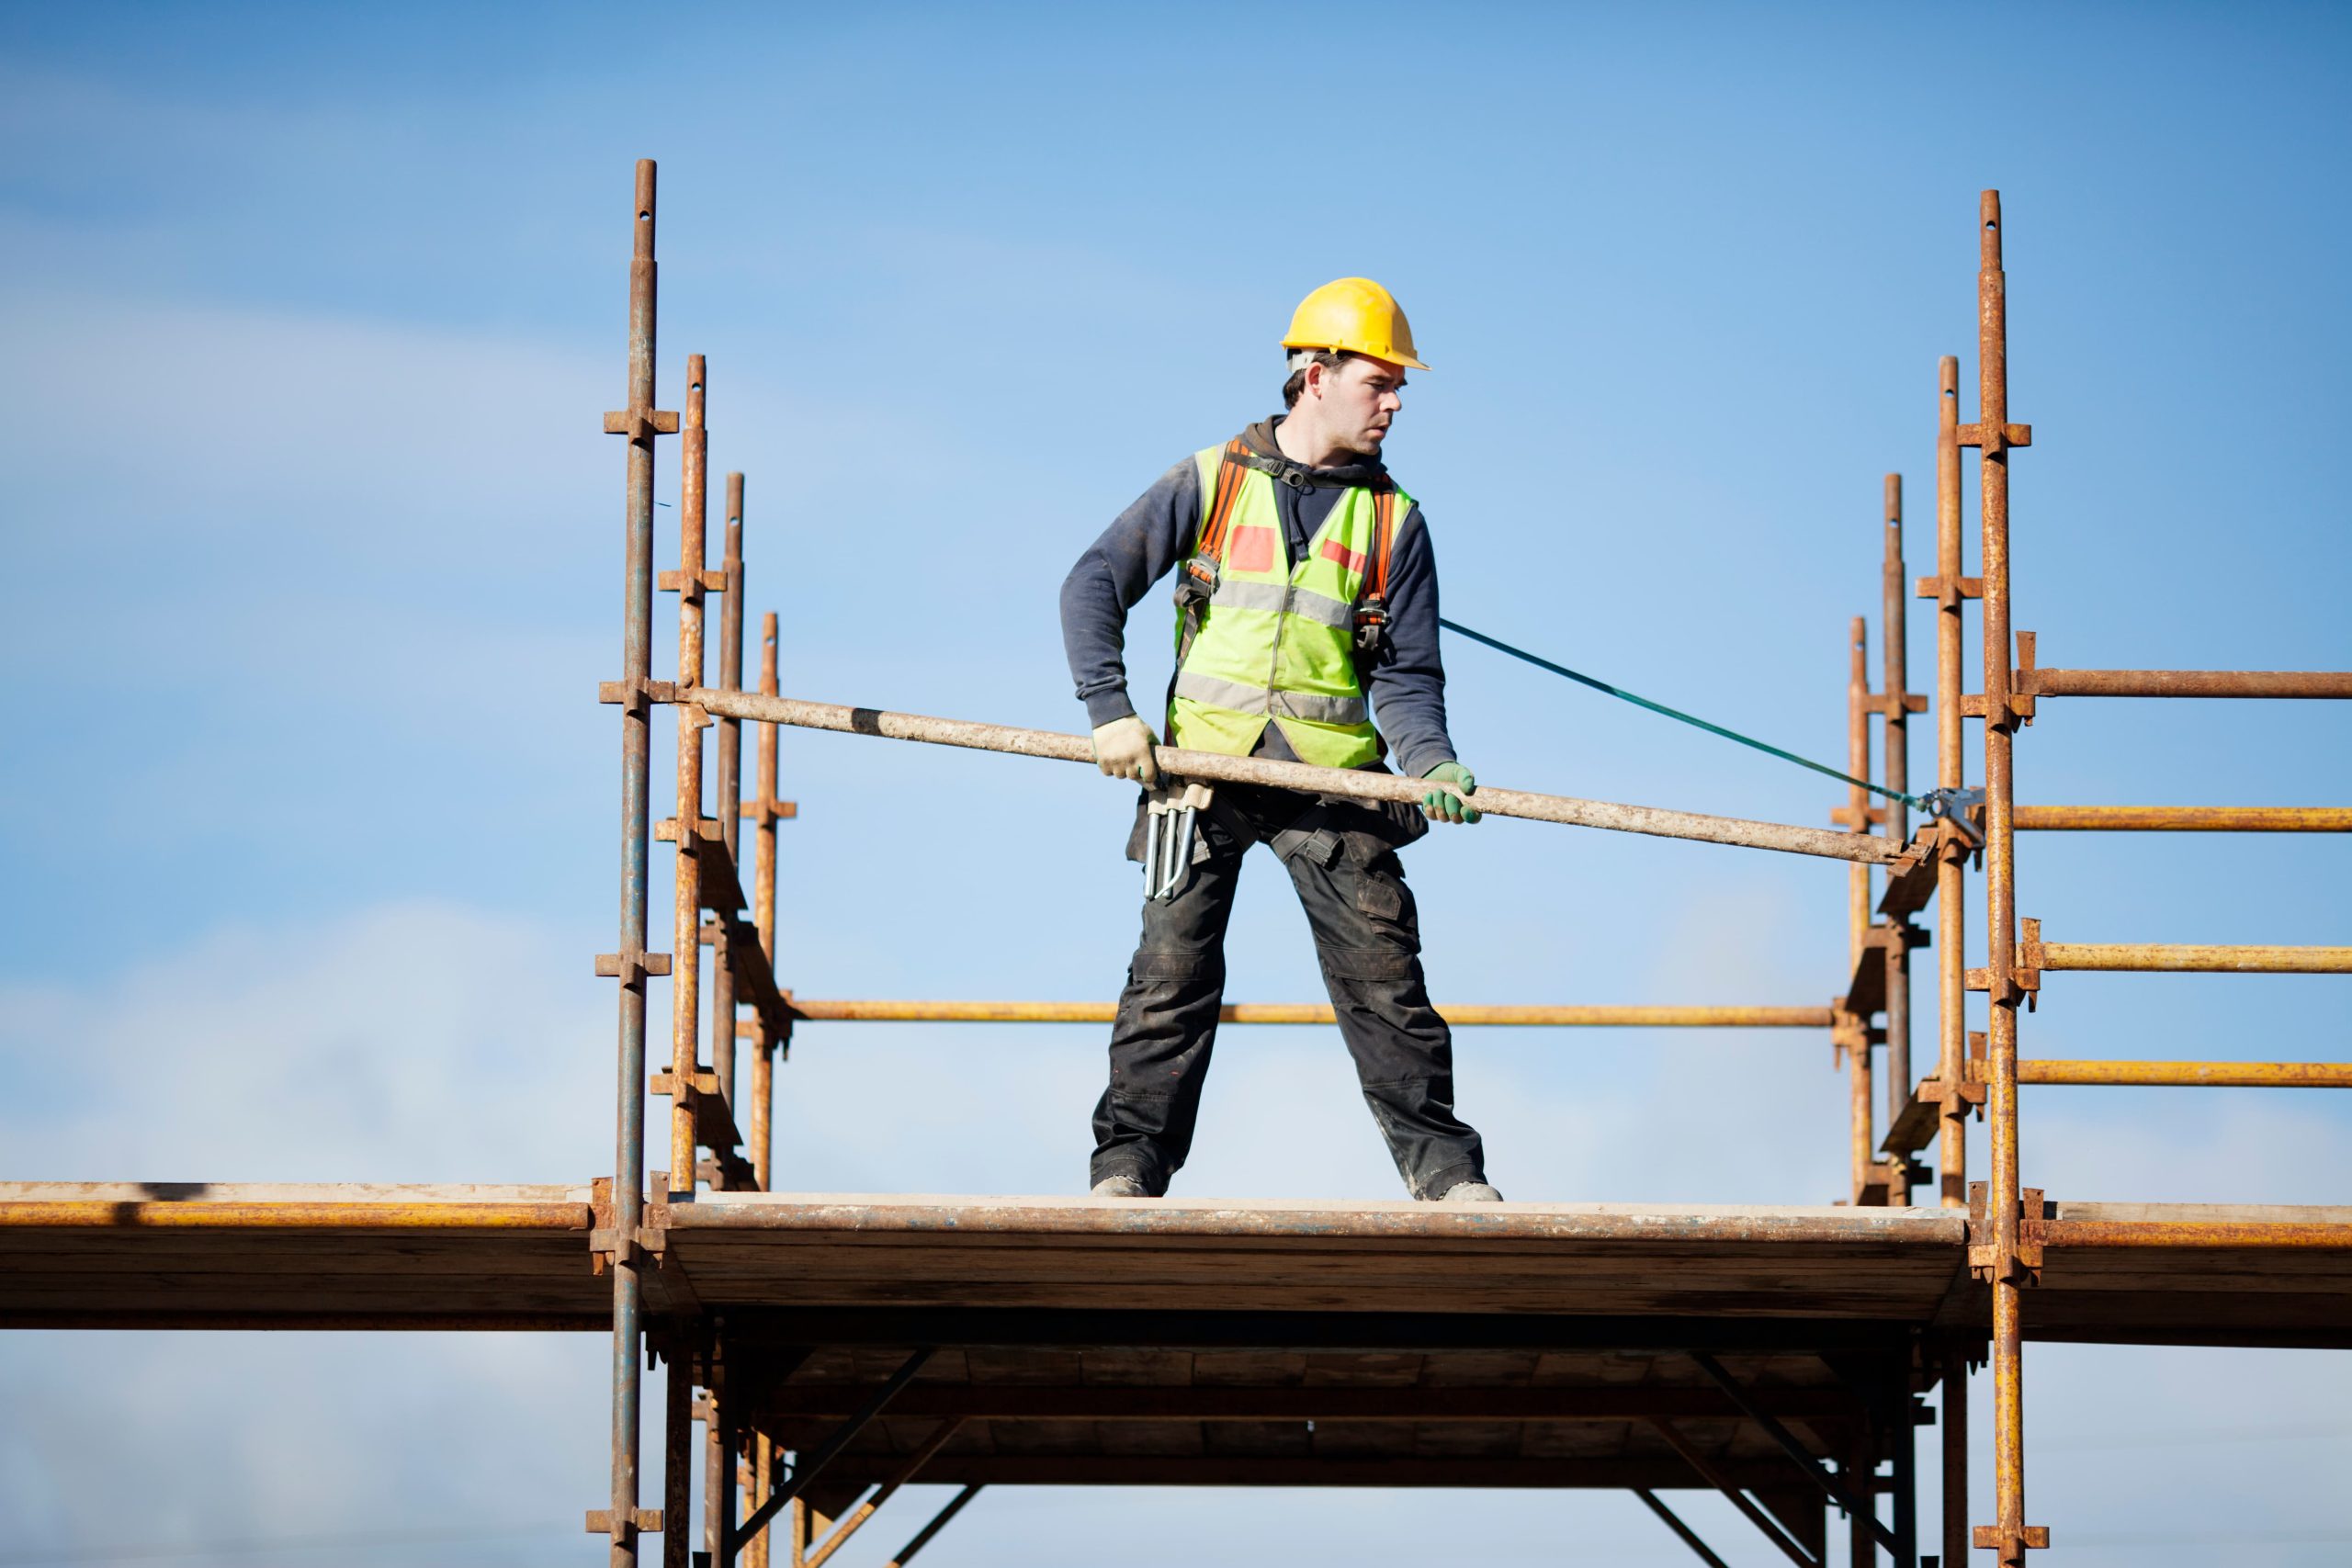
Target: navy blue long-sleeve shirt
(1151, 537)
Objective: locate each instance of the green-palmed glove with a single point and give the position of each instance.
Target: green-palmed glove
(1122, 750)
(1443, 805)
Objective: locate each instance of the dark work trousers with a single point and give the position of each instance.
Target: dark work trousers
(1367, 934)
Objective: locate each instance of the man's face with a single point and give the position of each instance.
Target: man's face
(1361, 397)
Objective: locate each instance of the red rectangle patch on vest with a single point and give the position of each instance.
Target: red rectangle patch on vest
(1334, 550)
(1251, 549)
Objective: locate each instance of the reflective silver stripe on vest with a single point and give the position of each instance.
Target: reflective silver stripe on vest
(1239, 698)
(1321, 710)
(1275, 597)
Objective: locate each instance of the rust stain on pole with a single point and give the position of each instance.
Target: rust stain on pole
(763, 917)
(2167, 959)
(2087, 1234)
(1566, 810)
(730, 794)
(1857, 817)
(1895, 738)
(686, 968)
(2188, 1075)
(639, 422)
(844, 1011)
(2325, 685)
(2008, 1534)
(1952, 961)
(678, 1455)
(2184, 818)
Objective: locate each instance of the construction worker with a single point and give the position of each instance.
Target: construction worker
(1306, 600)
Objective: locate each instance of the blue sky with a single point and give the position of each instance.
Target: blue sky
(313, 552)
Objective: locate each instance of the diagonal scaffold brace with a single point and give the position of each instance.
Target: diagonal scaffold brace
(1567, 810)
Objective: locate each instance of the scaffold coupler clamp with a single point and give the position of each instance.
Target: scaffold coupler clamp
(1956, 806)
(1171, 829)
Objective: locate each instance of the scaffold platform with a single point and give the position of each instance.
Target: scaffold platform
(195, 1254)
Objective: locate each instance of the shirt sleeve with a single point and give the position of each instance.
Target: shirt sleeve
(1408, 691)
(1140, 546)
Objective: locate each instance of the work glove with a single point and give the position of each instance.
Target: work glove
(1443, 805)
(1123, 750)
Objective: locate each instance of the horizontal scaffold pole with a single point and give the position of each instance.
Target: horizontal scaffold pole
(2323, 684)
(1212, 767)
(2184, 1075)
(1535, 1017)
(2159, 958)
(2183, 819)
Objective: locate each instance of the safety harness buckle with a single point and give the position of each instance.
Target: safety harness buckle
(1372, 629)
(1198, 581)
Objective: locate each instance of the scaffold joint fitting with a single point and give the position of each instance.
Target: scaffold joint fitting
(1985, 1263)
(631, 969)
(1992, 1538)
(641, 1521)
(642, 424)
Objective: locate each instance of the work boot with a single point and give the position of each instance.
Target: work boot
(1466, 1192)
(1121, 1186)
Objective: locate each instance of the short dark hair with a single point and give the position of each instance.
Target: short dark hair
(1295, 388)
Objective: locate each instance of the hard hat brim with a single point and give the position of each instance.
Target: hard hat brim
(1406, 360)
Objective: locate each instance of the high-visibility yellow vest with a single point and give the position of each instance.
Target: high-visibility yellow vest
(1275, 641)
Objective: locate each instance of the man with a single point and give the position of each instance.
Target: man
(1304, 586)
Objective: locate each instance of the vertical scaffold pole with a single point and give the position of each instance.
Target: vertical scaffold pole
(764, 820)
(685, 970)
(718, 1469)
(1951, 766)
(639, 421)
(1896, 738)
(2005, 1262)
(763, 817)
(730, 805)
(1955, 1451)
(678, 1450)
(1858, 892)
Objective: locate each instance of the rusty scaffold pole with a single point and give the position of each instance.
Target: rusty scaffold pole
(685, 829)
(2000, 1254)
(1857, 814)
(1897, 704)
(729, 811)
(617, 1245)
(1541, 1016)
(1566, 810)
(1951, 591)
(765, 812)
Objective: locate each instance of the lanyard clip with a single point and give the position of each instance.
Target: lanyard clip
(1954, 806)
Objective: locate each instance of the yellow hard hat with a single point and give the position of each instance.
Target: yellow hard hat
(1355, 314)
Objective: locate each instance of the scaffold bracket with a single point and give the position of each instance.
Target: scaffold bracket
(1947, 592)
(631, 968)
(641, 424)
(1985, 1262)
(708, 581)
(649, 1242)
(2019, 707)
(641, 1521)
(1995, 439)
(1991, 1538)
